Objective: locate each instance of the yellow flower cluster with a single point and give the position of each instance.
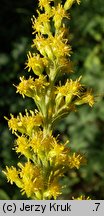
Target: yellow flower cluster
(56, 159)
(52, 47)
(28, 177)
(75, 88)
(25, 124)
(47, 159)
(33, 182)
(31, 87)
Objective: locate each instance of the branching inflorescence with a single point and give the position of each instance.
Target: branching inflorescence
(47, 159)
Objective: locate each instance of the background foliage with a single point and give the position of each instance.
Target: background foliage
(85, 127)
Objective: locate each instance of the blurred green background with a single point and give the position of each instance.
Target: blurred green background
(85, 128)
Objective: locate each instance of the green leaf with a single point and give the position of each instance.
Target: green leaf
(4, 195)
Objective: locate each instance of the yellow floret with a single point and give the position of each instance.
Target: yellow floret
(58, 14)
(69, 3)
(53, 191)
(41, 24)
(35, 63)
(75, 160)
(87, 97)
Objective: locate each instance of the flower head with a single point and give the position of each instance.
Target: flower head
(35, 63)
(45, 4)
(44, 46)
(35, 142)
(28, 171)
(32, 87)
(52, 47)
(70, 89)
(59, 46)
(69, 3)
(58, 154)
(26, 87)
(31, 177)
(41, 24)
(54, 190)
(75, 160)
(42, 145)
(13, 176)
(22, 147)
(65, 65)
(11, 173)
(58, 14)
(25, 124)
(87, 97)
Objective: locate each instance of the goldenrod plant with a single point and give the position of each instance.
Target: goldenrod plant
(47, 159)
